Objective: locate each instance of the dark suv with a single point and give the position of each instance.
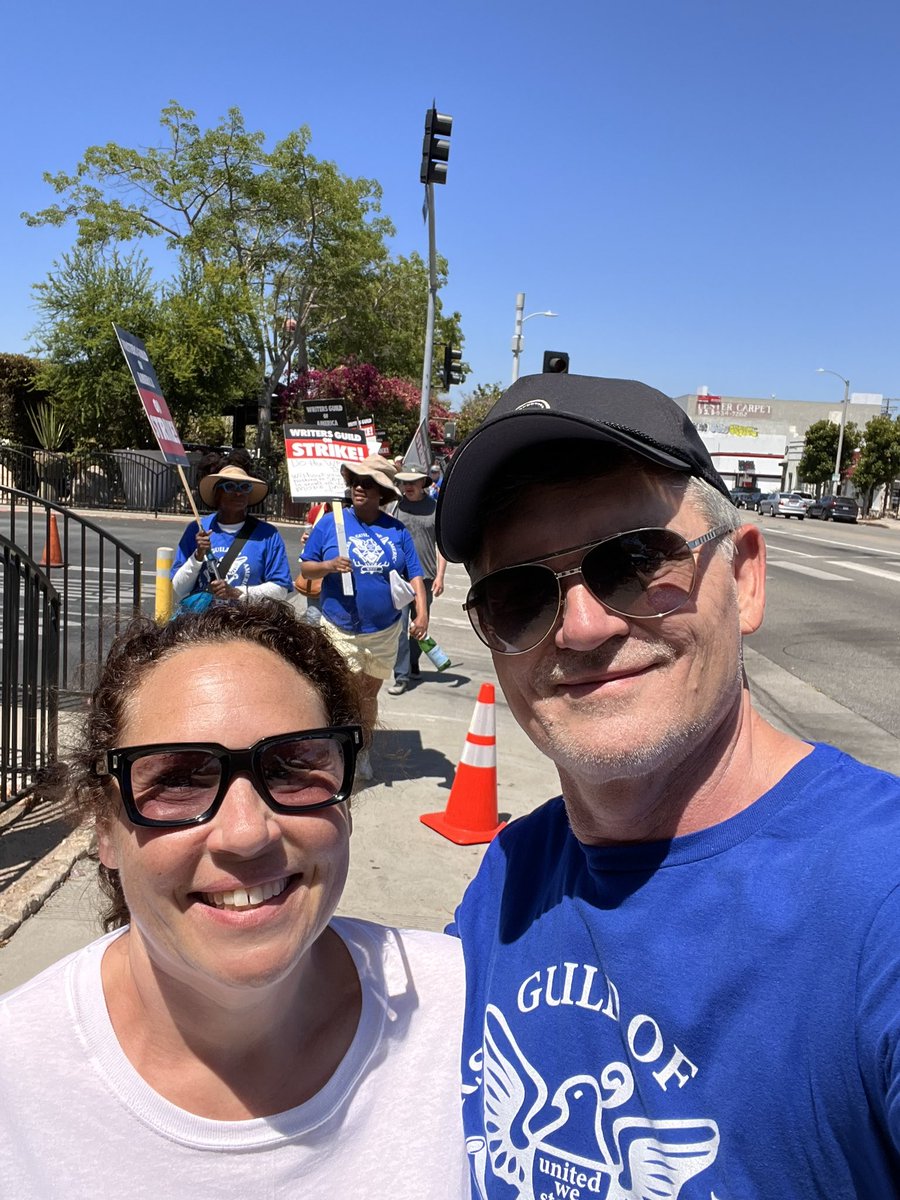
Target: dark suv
(746, 499)
(834, 508)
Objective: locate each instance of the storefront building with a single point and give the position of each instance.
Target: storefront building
(757, 443)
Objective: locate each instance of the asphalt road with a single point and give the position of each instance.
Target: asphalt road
(833, 612)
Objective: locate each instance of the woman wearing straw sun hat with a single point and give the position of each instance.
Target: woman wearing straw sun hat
(365, 625)
(233, 556)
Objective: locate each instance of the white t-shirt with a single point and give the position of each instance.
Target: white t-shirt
(77, 1121)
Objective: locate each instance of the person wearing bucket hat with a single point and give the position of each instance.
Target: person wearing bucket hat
(232, 555)
(366, 625)
(700, 932)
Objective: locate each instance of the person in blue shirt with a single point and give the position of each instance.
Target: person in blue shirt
(260, 568)
(683, 975)
(364, 624)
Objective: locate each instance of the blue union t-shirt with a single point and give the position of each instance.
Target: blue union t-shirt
(374, 551)
(713, 1016)
(262, 558)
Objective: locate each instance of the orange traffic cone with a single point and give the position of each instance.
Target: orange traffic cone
(471, 814)
(54, 558)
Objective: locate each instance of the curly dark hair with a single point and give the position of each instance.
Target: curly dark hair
(132, 656)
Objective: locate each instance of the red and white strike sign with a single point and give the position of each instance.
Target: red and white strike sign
(314, 457)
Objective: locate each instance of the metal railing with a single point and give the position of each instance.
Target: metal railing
(29, 671)
(120, 479)
(97, 576)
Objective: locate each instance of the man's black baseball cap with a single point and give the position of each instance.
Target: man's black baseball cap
(541, 409)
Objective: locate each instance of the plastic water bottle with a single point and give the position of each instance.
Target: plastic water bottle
(430, 647)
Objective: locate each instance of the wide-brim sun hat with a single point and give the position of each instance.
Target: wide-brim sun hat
(543, 409)
(374, 467)
(207, 486)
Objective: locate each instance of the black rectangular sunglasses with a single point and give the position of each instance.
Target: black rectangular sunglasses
(645, 573)
(169, 785)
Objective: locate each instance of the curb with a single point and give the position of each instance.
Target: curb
(28, 894)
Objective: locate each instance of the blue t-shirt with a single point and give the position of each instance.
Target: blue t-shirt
(713, 1016)
(374, 551)
(262, 559)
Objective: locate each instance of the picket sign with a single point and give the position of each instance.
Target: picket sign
(157, 410)
(347, 576)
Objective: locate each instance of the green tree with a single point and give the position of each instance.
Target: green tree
(289, 236)
(83, 370)
(475, 407)
(879, 459)
(820, 450)
(383, 322)
(18, 390)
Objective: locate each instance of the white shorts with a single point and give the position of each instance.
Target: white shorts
(367, 653)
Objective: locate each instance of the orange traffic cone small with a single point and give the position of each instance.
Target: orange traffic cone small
(471, 814)
(54, 558)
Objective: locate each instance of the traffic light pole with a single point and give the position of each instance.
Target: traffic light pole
(425, 403)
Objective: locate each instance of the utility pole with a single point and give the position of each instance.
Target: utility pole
(517, 334)
(836, 477)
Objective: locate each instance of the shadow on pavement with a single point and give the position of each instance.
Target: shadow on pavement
(398, 756)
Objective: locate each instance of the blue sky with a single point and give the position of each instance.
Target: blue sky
(706, 192)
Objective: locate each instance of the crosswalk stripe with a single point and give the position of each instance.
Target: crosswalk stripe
(816, 574)
(892, 575)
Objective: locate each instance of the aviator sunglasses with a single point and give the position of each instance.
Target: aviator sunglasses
(643, 573)
(168, 785)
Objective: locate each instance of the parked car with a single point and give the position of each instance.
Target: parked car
(746, 498)
(834, 508)
(806, 497)
(782, 504)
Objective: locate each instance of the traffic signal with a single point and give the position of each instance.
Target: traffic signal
(556, 362)
(435, 147)
(452, 370)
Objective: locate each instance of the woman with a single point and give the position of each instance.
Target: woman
(232, 556)
(364, 624)
(230, 1036)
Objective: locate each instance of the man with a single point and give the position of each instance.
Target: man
(683, 973)
(416, 510)
(435, 479)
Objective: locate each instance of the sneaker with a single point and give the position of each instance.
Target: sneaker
(398, 687)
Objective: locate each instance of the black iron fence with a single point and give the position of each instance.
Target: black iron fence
(120, 479)
(97, 576)
(29, 672)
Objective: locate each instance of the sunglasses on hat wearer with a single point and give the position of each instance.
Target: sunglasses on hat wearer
(363, 481)
(240, 487)
(643, 573)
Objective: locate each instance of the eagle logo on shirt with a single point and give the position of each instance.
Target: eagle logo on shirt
(526, 1143)
(369, 553)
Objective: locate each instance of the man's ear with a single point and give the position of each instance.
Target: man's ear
(749, 567)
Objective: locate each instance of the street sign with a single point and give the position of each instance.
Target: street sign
(314, 457)
(150, 392)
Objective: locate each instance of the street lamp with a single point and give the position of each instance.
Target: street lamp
(836, 477)
(518, 340)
